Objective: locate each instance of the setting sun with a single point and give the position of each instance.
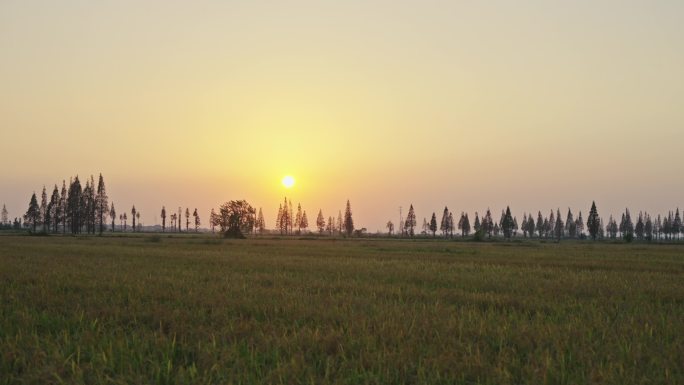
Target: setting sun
(288, 181)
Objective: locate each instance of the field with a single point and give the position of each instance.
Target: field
(200, 310)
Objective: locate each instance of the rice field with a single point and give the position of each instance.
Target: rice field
(203, 310)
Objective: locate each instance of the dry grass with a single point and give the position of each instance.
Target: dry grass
(203, 310)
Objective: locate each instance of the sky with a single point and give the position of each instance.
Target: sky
(535, 104)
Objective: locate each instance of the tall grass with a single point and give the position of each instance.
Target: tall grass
(198, 310)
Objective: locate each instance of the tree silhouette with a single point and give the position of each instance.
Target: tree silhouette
(261, 223)
(133, 212)
(101, 203)
(390, 228)
(348, 220)
(112, 215)
(298, 219)
(53, 210)
(507, 224)
(187, 219)
(558, 226)
(62, 208)
(4, 217)
(32, 216)
(410, 222)
(593, 221)
(197, 220)
(304, 222)
(445, 226)
(320, 222)
(234, 218)
(163, 217)
(433, 224)
(44, 210)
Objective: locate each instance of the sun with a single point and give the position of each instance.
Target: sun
(288, 181)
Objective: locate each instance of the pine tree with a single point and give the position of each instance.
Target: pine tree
(133, 212)
(433, 224)
(101, 203)
(63, 206)
(212, 219)
(348, 221)
(53, 210)
(570, 226)
(593, 221)
(298, 219)
(304, 222)
(580, 226)
(410, 222)
(320, 222)
(261, 223)
(74, 212)
(677, 224)
(4, 217)
(507, 224)
(558, 226)
(648, 228)
(187, 219)
(444, 224)
(639, 228)
(112, 215)
(197, 220)
(32, 216)
(44, 210)
(477, 226)
(540, 224)
(451, 225)
(488, 223)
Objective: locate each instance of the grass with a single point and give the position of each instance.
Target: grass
(211, 311)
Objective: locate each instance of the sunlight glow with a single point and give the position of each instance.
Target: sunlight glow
(288, 181)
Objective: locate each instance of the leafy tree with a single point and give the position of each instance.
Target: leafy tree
(410, 222)
(179, 217)
(593, 221)
(433, 224)
(320, 222)
(390, 227)
(32, 216)
(348, 221)
(213, 219)
(234, 218)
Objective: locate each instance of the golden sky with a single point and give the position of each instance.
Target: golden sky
(470, 104)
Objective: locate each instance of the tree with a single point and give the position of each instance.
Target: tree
(677, 224)
(488, 223)
(133, 212)
(73, 206)
(125, 219)
(340, 223)
(410, 222)
(53, 210)
(304, 222)
(639, 228)
(62, 208)
(390, 228)
(163, 217)
(445, 225)
(648, 228)
(187, 219)
(348, 220)
(32, 216)
(507, 224)
(570, 225)
(540, 224)
(261, 223)
(558, 226)
(477, 225)
(44, 211)
(112, 215)
(298, 219)
(101, 203)
(433, 224)
(234, 218)
(593, 221)
(197, 220)
(4, 217)
(213, 219)
(320, 222)
(425, 227)
(580, 226)
(178, 219)
(331, 225)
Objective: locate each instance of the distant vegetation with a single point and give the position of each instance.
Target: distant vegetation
(77, 210)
